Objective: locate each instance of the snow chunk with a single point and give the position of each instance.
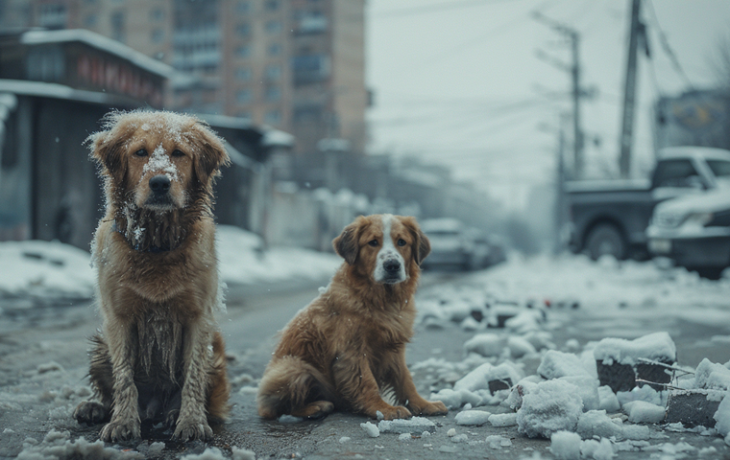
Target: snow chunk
(454, 399)
(644, 412)
(344, 439)
(556, 364)
(472, 417)
(289, 419)
(551, 406)
(211, 453)
(242, 454)
(480, 378)
(502, 420)
(722, 416)
(598, 450)
(160, 163)
(658, 346)
(485, 344)
(519, 346)
(497, 442)
(156, 449)
(565, 445)
(608, 400)
(587, 388)
(459, 438)
(57, 444)
(451, 432)
(371, 429)
(712, 376)
(645, 393)
(413, 425)
(597, 423)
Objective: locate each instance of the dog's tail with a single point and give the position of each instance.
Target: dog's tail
(288, 385)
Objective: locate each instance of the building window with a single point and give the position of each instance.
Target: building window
(243, 51)
(243, 96)
(243, 74)
(273, 117)
(273, 94)
(243, 30)
(158, 35)
(157, 14)
(117, 21)
(243, 7)
(273, 73)
(273, 27)
(272, 5)
(90, 20)
(310, 68)
(53, 16)
(274, 49)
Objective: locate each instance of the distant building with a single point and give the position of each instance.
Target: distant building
(297, 65)
(699, 118)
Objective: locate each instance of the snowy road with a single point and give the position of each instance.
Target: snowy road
(43, 362)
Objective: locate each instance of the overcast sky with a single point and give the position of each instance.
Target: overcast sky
(458, 81)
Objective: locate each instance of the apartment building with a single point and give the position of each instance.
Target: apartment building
(297, 65)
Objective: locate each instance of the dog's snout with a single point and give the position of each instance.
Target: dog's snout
(160, 184)
(391, 265)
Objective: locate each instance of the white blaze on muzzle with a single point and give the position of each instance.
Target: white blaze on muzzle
(390, 268)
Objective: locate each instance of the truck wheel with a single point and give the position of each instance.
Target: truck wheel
(605, 239)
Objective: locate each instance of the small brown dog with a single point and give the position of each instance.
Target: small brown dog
(349, 344)
(161, 356)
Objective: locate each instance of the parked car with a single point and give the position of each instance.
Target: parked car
(611, 217)
(454, 244)
(694, 232)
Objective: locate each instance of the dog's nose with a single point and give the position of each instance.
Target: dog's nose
(391, 265)
(160, 184)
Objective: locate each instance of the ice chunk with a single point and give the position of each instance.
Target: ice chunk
(472, 417)
(525, 321)
(712, 376)
(486, 344)
(551, 406)
(497, 442)
(344, 439)
(451, 432)
(556, 364)
(486, 376)
(156, 449)
(645, 393)
(211, 453)
(501, 420)
(644, 412)
(722, 416)
(454, 399)
(371, 429)
(597, 423)
(658, 346)
(565, 445)
(459, 438)
(413, 425)
(607, 399)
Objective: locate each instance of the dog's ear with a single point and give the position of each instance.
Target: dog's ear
(421, 247)
(211, 155)
(107, 151)
(346, 245)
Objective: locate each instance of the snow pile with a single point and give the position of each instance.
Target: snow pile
(644, 412)
(712, 376)
(45, 271)
(656, 347)
(480, 378)
(472, 417)
(722, 416)
(242, 260)
(485, 344)
(565, 445)
(497, 442)
(596, 423)
(502, 420)
(412, 425)
(58, 444)
(551, 406)
(602, 450)
(556, 364)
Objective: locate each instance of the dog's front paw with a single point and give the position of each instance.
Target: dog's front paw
(189, 429)
(120, 430)
(395, 412)
(429, 408)
(91, 412)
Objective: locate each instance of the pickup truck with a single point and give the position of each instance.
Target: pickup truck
(611, 216)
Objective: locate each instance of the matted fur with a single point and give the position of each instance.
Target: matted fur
(161, 356)
(348, 346)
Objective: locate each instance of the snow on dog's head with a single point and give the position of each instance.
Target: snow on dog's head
(383, 248)
(156, 160)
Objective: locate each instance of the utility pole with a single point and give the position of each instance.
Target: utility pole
(636, 32)
(560, 204)
(577, 92)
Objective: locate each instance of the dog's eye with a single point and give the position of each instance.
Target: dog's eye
(401, 242)
(141, 153)
(177, 153)
(373, 243)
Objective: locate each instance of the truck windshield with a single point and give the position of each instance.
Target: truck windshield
(674, 173)
(719, 168)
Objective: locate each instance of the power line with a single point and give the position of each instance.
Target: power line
(668, 48)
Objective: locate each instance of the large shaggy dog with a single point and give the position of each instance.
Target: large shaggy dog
(348, 346)
(160, 357)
